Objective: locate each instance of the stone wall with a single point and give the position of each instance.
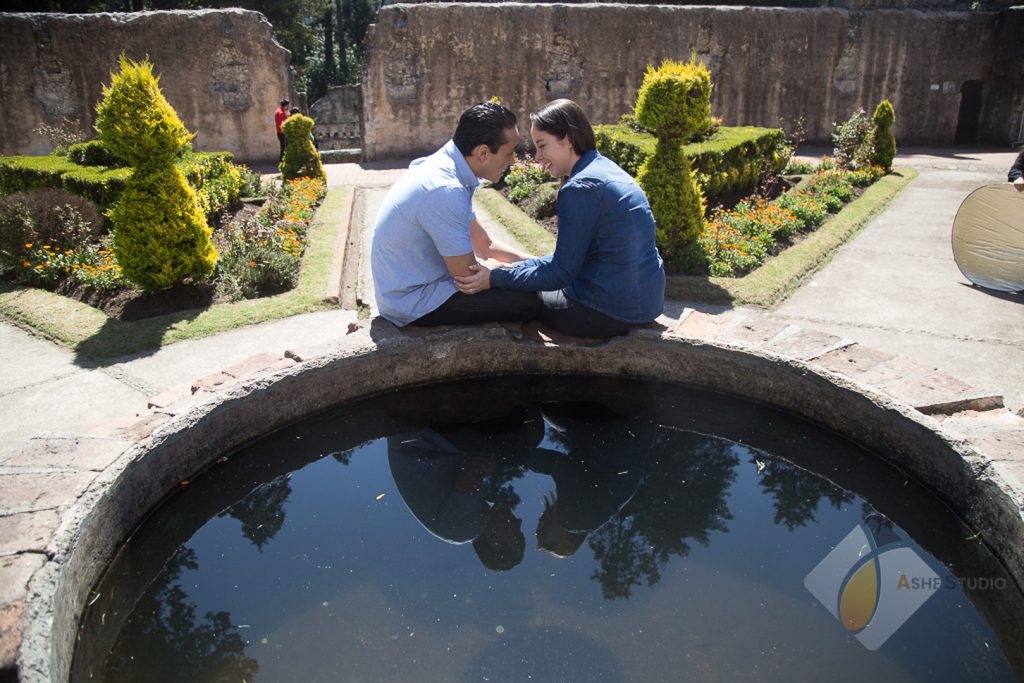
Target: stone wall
(222, 72)
(337, 116)
(426, 63)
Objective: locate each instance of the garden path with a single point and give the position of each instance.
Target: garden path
(895, 287)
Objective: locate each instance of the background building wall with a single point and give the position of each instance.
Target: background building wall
(426, 62)
(337, 116)
(221, 70)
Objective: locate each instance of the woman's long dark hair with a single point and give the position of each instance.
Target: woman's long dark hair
(564, 117)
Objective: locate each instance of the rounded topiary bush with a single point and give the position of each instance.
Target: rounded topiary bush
(134, 119)
(882, 139)
(161, 237)
(301, 160)
(675, 99)
(676, 202)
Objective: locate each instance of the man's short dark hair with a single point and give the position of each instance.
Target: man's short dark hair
(483, 124)
(285, 103)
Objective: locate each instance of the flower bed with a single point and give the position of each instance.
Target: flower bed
(260, 250)
(737, 240)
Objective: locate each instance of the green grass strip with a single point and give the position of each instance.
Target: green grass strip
(530, 235)
(93, 335)
(765, 286)
(779, 276)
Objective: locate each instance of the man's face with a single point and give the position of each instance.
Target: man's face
(493, 164)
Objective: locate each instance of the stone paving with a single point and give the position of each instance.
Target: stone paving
(66, 421)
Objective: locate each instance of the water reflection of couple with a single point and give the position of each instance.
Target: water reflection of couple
(457, 481)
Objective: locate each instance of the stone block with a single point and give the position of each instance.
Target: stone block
(1013, 472)
(301, 354)
(12, 624)
(15, 573)
(27, 532)
(171, 397)
(806, 344)
(30, 491)
(705, 326)
(259, 363)
(81, 453)
(1000, 445)
(755, 331)
(853, 360)
(131, 428)
(534, 330)
(927, 389)
(970, 422)
(212, 382)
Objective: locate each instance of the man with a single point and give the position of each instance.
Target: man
(456, 496)
(280, 116)
(427, 232)
(1016, 174)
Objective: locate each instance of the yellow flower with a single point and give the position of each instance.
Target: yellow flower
(28, 246)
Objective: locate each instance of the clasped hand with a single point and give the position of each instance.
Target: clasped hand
(478, 280)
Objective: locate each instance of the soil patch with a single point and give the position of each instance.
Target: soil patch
(134, 304)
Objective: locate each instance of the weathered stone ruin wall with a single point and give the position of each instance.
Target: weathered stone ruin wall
(337, 116)
(222, 72)
(426, 63)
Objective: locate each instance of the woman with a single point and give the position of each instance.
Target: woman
(605, 274)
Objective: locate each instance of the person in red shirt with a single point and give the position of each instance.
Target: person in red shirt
(280, 116)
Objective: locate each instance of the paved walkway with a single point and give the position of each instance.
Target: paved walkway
(894, 288)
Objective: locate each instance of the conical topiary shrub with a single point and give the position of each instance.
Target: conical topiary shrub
(882, 140)
(674, 102)
(301, 160)
(161, 237)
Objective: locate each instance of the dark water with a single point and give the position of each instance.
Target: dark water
(550, 530)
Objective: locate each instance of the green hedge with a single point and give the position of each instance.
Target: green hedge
(100, 184)
(208, 172)
(730, 160)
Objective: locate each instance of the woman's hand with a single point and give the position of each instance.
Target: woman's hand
(477, 282)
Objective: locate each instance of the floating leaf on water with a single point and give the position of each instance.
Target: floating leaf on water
(379, 496)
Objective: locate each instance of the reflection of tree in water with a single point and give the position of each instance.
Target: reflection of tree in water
(178, 646)
(262, 511)
(797, 492)
(343, 457)
(682, 499)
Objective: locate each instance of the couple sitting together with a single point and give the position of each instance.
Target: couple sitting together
(434, 264)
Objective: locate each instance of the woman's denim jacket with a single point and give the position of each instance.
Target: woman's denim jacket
(605, 257)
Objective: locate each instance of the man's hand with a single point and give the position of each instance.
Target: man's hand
(1019, 184)
(476, 282)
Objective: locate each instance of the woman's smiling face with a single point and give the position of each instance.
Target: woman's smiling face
(556, 155)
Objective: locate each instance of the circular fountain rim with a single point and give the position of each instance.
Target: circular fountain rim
(370, 362)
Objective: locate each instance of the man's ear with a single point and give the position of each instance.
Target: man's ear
(481, 152)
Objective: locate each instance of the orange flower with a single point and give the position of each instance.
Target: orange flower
(252, 264)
